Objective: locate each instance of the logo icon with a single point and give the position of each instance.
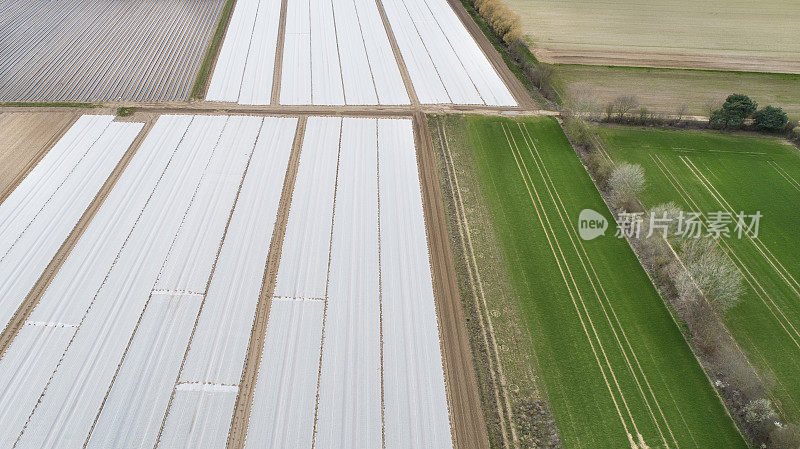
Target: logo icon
(591, 224)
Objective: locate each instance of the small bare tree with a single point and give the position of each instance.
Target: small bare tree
(542, 75)
(625, 183)
(712, 272)
(625, 104)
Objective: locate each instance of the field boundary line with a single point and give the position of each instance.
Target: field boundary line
(277, 73)
(398, 56)
(240, 421)
(327, 284)
(26, 307)
(463, 231)
(550, 239)
(593, 276)
(380, 284)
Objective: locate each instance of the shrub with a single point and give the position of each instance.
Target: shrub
(501, 19)
(770, 119)
(735, 110)
(579, 131)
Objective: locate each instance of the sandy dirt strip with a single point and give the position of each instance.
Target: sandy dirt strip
(468, 426)
(24, 139)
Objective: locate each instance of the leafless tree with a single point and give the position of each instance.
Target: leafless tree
(624, 105)
(542, 75)
(625, 184)
(712, 272)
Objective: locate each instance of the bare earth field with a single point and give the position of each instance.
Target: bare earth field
(23, 139)
(709, 34)
(666, 90)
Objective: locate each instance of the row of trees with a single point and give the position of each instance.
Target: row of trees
(702, 285)
(738, 108)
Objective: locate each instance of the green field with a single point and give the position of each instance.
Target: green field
(611, 359)
(710, 171)
(667, 90)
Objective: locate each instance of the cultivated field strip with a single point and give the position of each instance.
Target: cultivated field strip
(40, 213)
(207, 417)
(216, 355)
(350, 374)
(24, 139)
(72, 291)
(132, 412)
(284, 403)
(303, 271)
(77, 50)
(414, 389)
(445, 64)
(246, 63)
(98, 362)
(336, 53)
(334, 372)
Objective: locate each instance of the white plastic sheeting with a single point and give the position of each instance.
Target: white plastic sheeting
(219, 346)
(188, 266)
(72, 398)
(282, 415)
(132, 414)
(41, 212)
(414, 389)
(303, 271)
(349, 410)
(24, 371)
(74, 286)
(245, 66)
(337, 52)
(200, 417)
(445, 64)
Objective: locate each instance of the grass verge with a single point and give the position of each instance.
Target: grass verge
(204, 73)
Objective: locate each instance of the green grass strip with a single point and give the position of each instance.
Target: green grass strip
(201, 81)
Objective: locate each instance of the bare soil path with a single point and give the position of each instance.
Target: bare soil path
(468, 425)
(247, 385)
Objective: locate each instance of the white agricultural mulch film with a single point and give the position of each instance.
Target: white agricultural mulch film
(141, 338)
(337, 52)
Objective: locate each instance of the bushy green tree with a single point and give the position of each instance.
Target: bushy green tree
(770, 119)
(735, 110)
